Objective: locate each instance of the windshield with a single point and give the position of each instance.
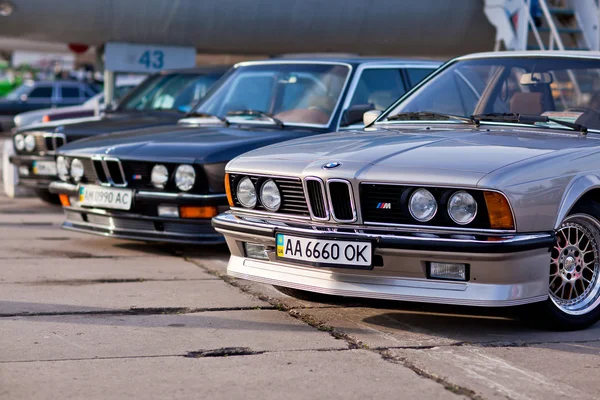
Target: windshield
(291, 93)
(177, 92)
(18, 92)
(557, 87)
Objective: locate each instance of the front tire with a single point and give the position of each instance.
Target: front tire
(574, 282)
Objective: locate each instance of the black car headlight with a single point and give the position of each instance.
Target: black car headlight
(422, 205)
(185, 177)
(29, 143)
(462, 208)
(62, 168)
(246, 193)
(270, 197)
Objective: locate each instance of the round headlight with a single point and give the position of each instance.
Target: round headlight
(422, 205)
(76, 170)
(62, 168)
(185, 177)
(29, 143)
(19, 142)
(246, 193)
(462, 208)
(270, 196)
(159, 176)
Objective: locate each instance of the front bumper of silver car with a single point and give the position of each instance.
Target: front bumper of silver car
(504, 270)
(134, 225)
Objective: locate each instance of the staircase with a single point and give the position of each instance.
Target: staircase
(545, 24)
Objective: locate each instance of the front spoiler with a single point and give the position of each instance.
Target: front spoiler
(506, 270)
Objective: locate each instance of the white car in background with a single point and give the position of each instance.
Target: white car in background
(90, 108)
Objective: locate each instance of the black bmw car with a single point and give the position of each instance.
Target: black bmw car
(161, 99)
(166, 183)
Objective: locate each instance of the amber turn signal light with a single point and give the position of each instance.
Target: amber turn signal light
(198, 212)
(499, 211)
(46, 118)
(64, 200)
(228, 190)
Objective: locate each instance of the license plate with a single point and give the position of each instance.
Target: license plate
(44, 168)
(319, 251)
(102, 197)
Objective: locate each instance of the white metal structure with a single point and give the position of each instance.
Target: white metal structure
(545, 24)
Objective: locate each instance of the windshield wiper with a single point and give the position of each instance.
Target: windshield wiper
(256, 113)
(198, 114)
(428, 115)
(528, 119)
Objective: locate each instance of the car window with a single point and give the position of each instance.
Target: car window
(416, 75)
(167, 92)
(458, 94)
(19, 92)
(302, 93)
(379, 87)
(69, 92)
(41, 92)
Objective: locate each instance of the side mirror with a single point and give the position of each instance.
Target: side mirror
(370, 116)
(354, 114)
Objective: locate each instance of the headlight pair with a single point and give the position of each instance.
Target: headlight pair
(270, 196)
(462, 207)
(185, 177)
(23, 142)
(64, 170)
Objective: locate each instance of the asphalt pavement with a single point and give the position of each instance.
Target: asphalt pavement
(91, 317)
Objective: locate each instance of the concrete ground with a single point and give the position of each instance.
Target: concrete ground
(90, 317)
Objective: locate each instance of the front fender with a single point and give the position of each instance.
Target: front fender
(578, 187)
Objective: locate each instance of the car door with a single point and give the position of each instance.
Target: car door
(376, 88)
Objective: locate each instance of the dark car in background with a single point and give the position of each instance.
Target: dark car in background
(166, 183)
(161, 99)
(34, 95)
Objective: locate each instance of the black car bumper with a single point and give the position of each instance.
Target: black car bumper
(135, 225)
(28, 175)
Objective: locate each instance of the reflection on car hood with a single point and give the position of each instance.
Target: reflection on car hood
(413, 154)
(179, 143)
(113, 122)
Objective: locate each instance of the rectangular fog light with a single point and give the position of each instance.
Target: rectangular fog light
(168, 211)
(257, 251)
(450, 271)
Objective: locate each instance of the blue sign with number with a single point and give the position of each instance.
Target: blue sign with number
(127, 57)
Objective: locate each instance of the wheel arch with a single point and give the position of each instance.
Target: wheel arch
(586, 187)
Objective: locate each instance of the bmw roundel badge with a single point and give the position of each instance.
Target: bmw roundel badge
(332, 165)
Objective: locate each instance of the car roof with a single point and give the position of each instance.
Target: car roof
(352, 60)
(533, 53)
(202, 70)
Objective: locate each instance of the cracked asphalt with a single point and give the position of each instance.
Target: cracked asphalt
(90, 317)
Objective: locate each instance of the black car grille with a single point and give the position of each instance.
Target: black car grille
(109, 171)
(388, 204)
(48, 142)
(342, 207)
(293, 200)
(316, 198)
(135, 174)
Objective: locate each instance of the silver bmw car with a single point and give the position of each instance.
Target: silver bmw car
(479, 187)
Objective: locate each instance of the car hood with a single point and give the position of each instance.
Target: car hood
(182, 143)
(113, 122)
(417, 154)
